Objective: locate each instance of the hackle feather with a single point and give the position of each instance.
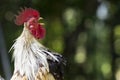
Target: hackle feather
(29, 57)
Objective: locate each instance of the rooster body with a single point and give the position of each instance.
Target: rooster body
(32, 61)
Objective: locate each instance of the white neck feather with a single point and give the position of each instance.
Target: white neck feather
(27, 55)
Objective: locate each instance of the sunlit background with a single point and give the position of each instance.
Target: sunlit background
(85, 32)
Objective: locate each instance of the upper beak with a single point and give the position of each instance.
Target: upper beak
(40, 18)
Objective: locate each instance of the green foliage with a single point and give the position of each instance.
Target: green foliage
(74, 28)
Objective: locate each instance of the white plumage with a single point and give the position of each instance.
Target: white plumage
(29, 56)
(32, 61)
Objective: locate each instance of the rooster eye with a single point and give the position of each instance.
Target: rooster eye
(34, 21)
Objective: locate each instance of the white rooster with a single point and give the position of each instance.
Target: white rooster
(33, 61)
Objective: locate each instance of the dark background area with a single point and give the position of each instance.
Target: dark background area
(85, 32)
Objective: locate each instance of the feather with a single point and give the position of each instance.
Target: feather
(33, 61)
(31, 58)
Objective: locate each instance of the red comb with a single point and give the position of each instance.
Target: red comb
(25, 15)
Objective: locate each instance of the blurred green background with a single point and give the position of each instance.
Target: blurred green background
(85, 32)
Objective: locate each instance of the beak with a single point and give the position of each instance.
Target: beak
(40, 18)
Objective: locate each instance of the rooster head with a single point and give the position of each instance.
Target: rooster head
(30, 18)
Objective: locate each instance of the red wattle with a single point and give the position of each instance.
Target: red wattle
(37, 31)
(40, 33)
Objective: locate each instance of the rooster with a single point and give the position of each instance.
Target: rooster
(33, 61)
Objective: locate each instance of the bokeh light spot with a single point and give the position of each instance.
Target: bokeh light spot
(80, 57)
(106, 68)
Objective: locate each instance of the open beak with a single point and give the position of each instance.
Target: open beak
(41, 19)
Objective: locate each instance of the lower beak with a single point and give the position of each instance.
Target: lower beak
(40, 18)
